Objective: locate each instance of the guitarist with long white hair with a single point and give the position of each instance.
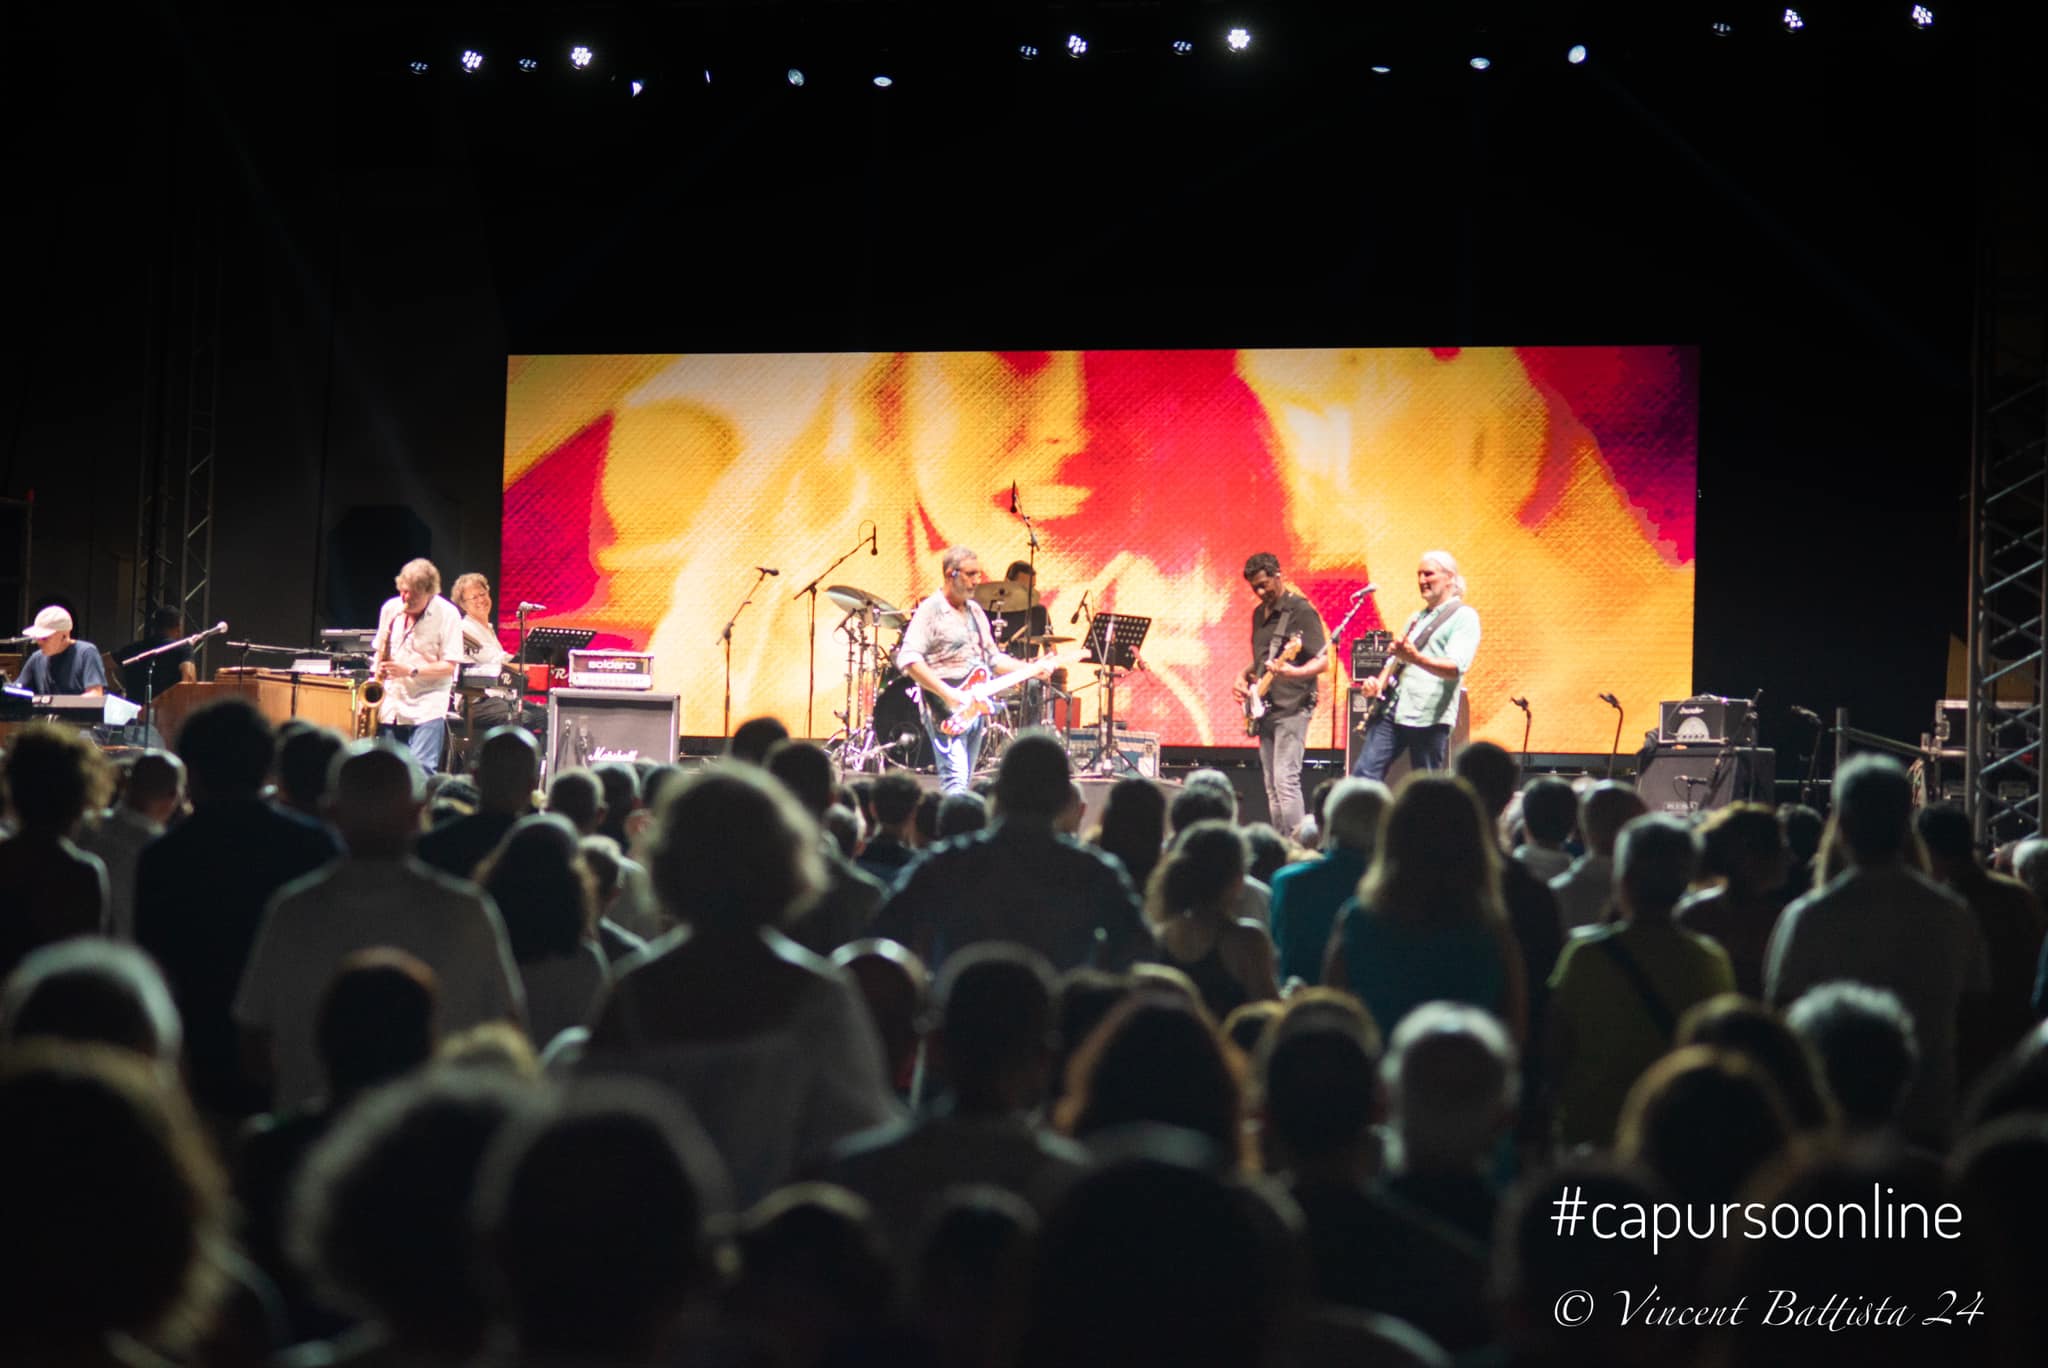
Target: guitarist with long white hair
(1415, 698)
(1290, 648)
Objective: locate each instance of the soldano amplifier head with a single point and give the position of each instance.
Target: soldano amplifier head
(591, 726)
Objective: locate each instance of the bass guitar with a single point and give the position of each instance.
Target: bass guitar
(1255, 696)
(983, 684)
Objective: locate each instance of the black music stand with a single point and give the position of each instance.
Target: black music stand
(1114, 639)
(553, 644)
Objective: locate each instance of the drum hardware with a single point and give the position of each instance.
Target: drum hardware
(864, 535)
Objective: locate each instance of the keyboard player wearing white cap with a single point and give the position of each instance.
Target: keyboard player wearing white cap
(62, 664)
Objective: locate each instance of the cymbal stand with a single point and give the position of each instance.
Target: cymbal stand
(725, 636)
(811, 684)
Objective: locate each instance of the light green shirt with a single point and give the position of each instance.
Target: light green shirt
(1428, 700)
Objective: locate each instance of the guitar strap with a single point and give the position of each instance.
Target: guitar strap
(1431, 625)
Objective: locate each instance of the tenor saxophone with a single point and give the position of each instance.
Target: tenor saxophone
(371, 691)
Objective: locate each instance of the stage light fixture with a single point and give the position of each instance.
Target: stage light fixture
(1028, 51)
(884, 82)
(1722, 28)
(472, 60)
(1794, 21)
(1922, 17)
(1381, 70)
(581, 57)
(1182, 47)
(1076, 45)
(638, 86)
(795, 77)
(1238, 39)
(416, 68)
(1481, 63)
(1577, 55)
(529, 64)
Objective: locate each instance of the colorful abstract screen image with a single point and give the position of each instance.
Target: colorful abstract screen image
(641, 493)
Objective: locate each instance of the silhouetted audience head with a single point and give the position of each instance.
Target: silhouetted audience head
(376, 1020)
(995, 1031)
(227, 748)
(621, 784)
(1654, 862)
(1944, 829)
(895, 800)
(543, 888)
(54, 776)
(1155, 1061)
(2030, 866)
(155, 784)
(1868, 1049)
(1201, 803)
(1492, 772)
(1604, 810)
(113, 1205)
(578, 795)
(975, 1252)
(813, 1276)
(2000, 1175)
(376, 798)
(1873, 809)
(1549, 811)
(1803, 828)
(895, 984)
(1356, 815)
(1083, 998)
(1201, 876)
(507, 771)
(1437, 862)
(305, 764)
(1452, 1079)
(1247, 1024)
(925, 820)
(732, 851)
(1704, 1120)
(961, 814)
(1729, 1021)
(593, 1215)
(754, 738)
(1743, 844)
(1034, 780)
(1134, 826)
(381, 1211)
(91, 990)
(806, 771)
(1266, 850)
(1320, 1096)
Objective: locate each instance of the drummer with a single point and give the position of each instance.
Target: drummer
(1023, 619)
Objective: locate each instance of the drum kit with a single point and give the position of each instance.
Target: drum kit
(883, 725)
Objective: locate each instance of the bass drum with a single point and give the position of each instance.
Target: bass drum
(899, 725)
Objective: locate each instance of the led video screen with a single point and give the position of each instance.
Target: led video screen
(641, 493)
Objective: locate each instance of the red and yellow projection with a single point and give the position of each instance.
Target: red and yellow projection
(641, 492)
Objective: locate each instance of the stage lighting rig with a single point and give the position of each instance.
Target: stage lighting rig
(1182, 47)
(416, 68)
(1238, 39)
(884, 82)
(581, 57)
(1577, 55)
(1076, 45)
(1028, 51)
(529, 64)
(1922, 17)
(1722, 28)
(472, 60)
(1481, 63)
(1793, 20)
(794, 76)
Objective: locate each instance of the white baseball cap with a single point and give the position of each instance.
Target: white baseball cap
(49, 622)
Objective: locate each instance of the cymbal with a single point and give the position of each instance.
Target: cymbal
(1046, 639)
(1001, 596)
(857, 600)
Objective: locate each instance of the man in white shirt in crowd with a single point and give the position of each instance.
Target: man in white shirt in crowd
(378, 894)
(418, 650)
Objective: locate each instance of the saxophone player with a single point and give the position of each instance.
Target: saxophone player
(419, 647)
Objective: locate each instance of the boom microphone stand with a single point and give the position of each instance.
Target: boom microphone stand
(1611, 701)
(1528, 718)
(726, 636)
(811, 687)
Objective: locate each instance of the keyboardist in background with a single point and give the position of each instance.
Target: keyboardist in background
(62, 663)
(480, 646)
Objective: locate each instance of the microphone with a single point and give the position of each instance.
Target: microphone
(526, 607)
(1077, 612)
(1013, 496)
(1610, 700)
(216, 630)
(1521, 703)
(767, 570)
(1369, 589)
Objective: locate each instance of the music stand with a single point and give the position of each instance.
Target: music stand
(554, 643)
(1114, 639)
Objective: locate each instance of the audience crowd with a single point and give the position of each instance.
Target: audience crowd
(306, 1060)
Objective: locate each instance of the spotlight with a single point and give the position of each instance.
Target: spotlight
(1922, 17)
(1481, 63)
(1722, 28)
(1794, 21)
(1076, 45)
(529, 64)
(416, 68)
(1028, 52)
(1182, 47)
(884, 82)
(1577, 55)
(472, 60)
(580, 56)
(1238, 39)
(1381, 70)
(796, 78)
(638, 86)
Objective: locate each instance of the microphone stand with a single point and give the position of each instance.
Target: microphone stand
(1615, 749)
(1736, 742)
(149, 675)
(1820, 733)
(726, 637)
(1031, 593)
(1528, 719)
(1335, 648)
(811, 686)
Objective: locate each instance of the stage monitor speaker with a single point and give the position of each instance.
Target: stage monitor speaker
(1354, 735)
(591, 726)
(1084, 747)
(1678, 781)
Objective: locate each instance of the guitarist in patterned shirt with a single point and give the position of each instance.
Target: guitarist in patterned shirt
(1415, 698)
(1278, 690)
(947, 638)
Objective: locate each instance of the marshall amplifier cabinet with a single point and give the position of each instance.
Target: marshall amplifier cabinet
(591, 726)
(1704, 719)
(611, 670)
(1682, 781)
(1369, 651)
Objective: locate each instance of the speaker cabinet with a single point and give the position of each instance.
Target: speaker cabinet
(1682, 781)
(591, 726)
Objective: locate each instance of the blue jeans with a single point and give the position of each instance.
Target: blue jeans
(427, 741)
(1427, 748)
(956, 755)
